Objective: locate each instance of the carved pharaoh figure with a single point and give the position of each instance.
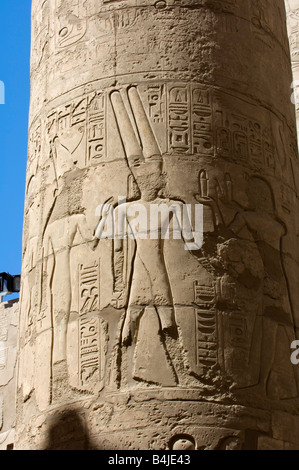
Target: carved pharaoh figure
(162, 338)
(149, 294)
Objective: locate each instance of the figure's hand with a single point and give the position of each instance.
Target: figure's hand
(218, 196)
(103, 211)
(224, 191)
(207, 197)
(94, 244)
(118, 299)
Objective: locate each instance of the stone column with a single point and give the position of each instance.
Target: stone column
(292, 8)
(9, 314)
(139, 341)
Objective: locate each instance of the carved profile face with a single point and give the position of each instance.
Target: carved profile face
(149, 177)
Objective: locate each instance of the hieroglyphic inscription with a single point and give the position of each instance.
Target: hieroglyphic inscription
(155, 94)
(88, 288)
(246, 140)
(206, 325)
(195, 126)
(80, 128)
(293, 25)
(190, 120)
(203, 295)
(293, 32)
(96, 128)
(202, 136)
(90, 360)
(66, 118)
(179, 120)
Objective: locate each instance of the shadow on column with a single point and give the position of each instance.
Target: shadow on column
(68, 431)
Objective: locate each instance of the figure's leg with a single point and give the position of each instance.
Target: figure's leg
(151, 360)
(132, 316)
(166, 315)
(61, 295)
(267, 351)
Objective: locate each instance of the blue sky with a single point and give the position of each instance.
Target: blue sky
(14, 72)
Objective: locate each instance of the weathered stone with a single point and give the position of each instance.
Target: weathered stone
(9, 315)
(141, 110)
(285, 427)
(292, 8)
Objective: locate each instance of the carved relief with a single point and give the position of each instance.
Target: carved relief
(64, 221)
(92, 341)
(147, 298)
(40, 28)
(118, 20)
(3, 355)
(194, 125)
(58, 279)
(245, 140)
(206, 319)
(88, 288)
(67, 127)
(96, 128)
(293, 23)
(244, 335)
(134, 323)
(147, 259)
(293, 33)
(199, 121)
(71, 23)
(259, 18)
(31, 231)
(78, 132)
(155, 95)
(190, 120)
(223, 5)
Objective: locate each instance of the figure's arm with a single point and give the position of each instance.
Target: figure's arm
(106, 220)
(121, 250)
(192, 235)
(238, 224)
(98, 233)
